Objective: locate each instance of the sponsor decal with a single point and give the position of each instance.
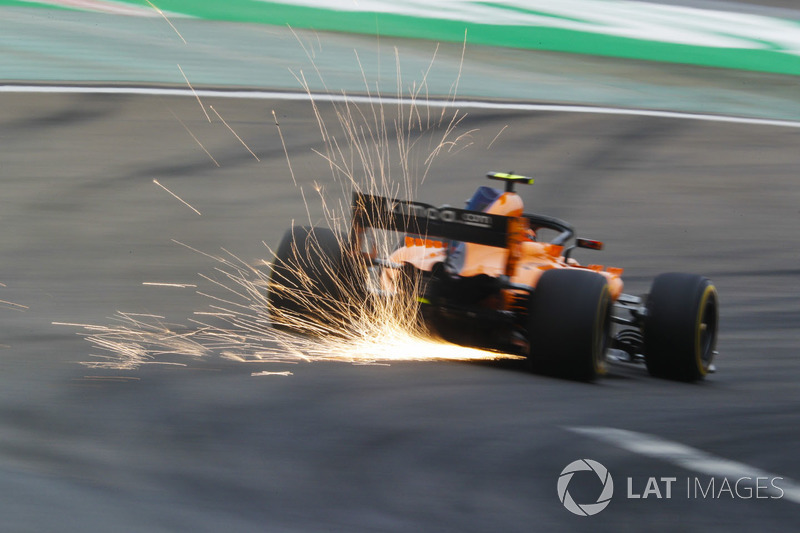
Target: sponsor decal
(444, 214)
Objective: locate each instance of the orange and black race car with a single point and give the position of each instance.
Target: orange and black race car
(486, 276)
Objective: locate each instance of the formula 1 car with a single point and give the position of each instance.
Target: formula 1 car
(483, 276)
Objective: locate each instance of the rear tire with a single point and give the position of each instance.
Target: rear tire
(313, 285)
(569, 320)
(680, 328)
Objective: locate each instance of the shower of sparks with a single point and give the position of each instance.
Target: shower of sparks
(197, 96)
(234, 133)
(165, 18)
(374, 149)
(181, 200)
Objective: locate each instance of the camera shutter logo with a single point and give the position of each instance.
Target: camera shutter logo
(585, 509)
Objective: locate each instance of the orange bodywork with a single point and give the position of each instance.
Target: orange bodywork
(523, 259)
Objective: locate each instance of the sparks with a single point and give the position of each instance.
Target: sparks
(285, 151)
(121, 379)
(376, 149)
(165, 18)
(176, 285)
(234, 133)
(181, 200)
(496, 136)
(193, 135)
(195, 94)
(14, 305)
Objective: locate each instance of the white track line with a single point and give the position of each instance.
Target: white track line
(685, 456)
(339, 98)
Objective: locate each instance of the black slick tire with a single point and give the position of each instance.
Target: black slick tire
(569, 324)
(680, 328)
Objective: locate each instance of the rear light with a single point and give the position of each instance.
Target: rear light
(589, 244)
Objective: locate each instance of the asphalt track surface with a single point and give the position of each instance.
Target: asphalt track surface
(340, 447)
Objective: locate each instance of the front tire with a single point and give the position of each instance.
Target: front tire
(680, 328)
(569, 320)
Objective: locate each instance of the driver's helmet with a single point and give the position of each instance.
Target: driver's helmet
(496, 202)
(483, 198)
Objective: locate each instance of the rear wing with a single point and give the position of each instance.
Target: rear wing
(428, 221)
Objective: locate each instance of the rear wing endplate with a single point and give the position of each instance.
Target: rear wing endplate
(426, 220)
